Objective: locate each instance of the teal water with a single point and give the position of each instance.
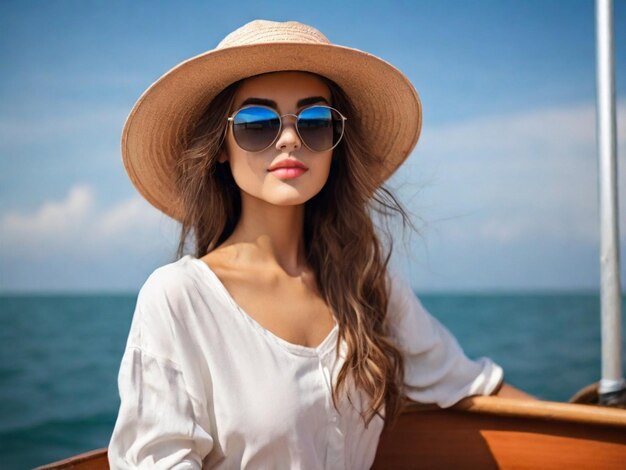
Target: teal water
(59, 357)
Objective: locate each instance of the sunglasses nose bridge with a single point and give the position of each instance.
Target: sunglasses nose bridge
(293, 135)
(294, 116)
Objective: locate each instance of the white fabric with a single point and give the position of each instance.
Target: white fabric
(203, 385)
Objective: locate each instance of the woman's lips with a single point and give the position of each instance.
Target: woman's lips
(288, 172)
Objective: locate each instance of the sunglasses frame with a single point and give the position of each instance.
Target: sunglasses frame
(231, 120)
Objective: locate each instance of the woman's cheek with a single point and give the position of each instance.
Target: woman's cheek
(247, 178)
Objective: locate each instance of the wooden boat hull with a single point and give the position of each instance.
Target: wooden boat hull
(483, 433)
(496, 433)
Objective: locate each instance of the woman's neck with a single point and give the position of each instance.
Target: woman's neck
(268, 233)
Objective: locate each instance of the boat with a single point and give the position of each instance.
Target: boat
(487, 432)
(482, 432)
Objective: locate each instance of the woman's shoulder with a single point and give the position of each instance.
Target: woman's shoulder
(172, 283)
(407, 316)
(399, 288)
(166, 302)
(186, 275)
(176, 273)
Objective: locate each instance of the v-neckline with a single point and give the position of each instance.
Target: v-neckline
(298, 349)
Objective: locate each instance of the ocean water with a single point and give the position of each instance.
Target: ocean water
(59, 358)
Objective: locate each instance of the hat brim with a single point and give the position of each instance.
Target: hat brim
(386, 102)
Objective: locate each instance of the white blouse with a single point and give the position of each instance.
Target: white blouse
(203, 385)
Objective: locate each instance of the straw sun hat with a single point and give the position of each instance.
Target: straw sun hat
(387, 104)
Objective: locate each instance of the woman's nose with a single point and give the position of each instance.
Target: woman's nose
(288, 137)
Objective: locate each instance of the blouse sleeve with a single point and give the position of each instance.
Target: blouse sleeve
(436, 368)
(160, 424)
(156, 427)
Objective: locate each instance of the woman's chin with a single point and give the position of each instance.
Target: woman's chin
(289, 195)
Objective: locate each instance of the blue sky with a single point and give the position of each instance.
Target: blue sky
(503, 182)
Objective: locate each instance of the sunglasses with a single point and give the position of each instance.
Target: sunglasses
(256, 128)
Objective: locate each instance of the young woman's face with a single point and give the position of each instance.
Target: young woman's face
(253, 171)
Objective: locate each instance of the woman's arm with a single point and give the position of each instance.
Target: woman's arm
(156, 426)
(436, 368)
(161, 423)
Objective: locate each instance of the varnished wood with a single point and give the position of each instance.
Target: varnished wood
(483, 433)
(92, 460)
(492, 432)
(571, 412)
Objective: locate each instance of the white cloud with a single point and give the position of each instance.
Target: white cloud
(127, 216)
(75, 225)
(506, 178)
(53, 218)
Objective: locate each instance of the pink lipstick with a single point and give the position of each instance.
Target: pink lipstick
(288, 168)
(288, 173)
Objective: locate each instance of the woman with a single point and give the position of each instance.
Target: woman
(284, 341)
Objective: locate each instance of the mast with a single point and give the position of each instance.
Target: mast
(612, 385)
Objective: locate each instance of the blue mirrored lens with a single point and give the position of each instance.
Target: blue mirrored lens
(255, 128)
(320, 127)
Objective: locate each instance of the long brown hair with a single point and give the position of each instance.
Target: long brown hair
(341, 241)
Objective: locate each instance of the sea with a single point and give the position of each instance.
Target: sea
(60, 354)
